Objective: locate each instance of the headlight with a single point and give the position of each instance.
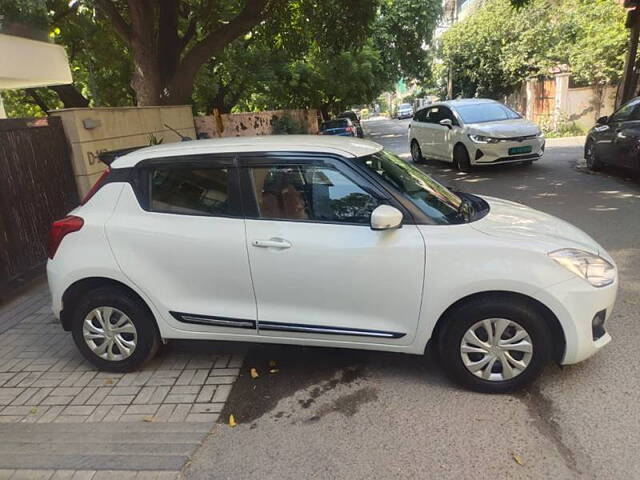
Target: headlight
(540, 134)
(483, 139)
(594, 269)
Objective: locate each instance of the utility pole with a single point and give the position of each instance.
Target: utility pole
(629, 75)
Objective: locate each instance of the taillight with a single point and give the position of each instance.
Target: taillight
(95, 187)
(59, 229)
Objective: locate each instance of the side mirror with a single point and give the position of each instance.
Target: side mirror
(386, 217)
(602, 120)
(446, 122)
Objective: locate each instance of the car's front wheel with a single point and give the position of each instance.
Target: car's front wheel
(495, 345)
(416, 152)
(461, 158)
(114, 329)
(591, 156)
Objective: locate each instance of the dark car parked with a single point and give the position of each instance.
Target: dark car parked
(353, 116)
(338, 126)
(615, 140)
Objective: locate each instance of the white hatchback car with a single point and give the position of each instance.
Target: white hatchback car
(474, 131)
(322, 241)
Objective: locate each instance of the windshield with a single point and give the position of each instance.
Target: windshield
(405, 106)
(435, 200)
(485, 112)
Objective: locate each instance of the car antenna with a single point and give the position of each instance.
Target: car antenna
(183, 138)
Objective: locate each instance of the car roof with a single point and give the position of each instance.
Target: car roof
(461, 101)
(343, 146)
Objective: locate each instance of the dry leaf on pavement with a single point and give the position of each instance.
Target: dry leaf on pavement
(517, 459)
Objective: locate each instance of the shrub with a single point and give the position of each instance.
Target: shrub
(286, 125)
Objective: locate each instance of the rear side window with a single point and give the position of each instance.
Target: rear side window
(190, 191)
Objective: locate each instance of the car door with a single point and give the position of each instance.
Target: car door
(611, 139)
(443, 135)
(319, 271)
(419, 130)
(181, 239)
(433, 132)
(626, 135)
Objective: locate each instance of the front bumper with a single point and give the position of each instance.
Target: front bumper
(498, 153)
(575, 302)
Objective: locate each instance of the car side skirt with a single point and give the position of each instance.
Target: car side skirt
(280, 327)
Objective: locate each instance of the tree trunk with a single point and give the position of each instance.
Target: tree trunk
(165, 64)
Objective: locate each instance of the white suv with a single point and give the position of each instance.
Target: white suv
(474, 131)
(328, 242)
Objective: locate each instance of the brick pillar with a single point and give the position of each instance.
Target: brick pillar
(530, 98)
(562, 97)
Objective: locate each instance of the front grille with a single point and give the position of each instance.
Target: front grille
(518, 139)
(531, 156)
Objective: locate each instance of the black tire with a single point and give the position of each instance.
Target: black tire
(148, 337)
(459, 321)
(461, 158)
(591, 156)
(416, 152)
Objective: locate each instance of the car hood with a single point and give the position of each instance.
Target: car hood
(515, 221)
(518, 127)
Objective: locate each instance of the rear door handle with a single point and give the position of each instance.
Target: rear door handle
(272, 243)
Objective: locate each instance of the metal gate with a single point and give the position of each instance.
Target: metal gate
(36, 187)
(544, 97)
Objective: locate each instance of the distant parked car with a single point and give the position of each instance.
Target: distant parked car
(405, 110)
(355, 119)
(615, 140)
(474, 131)
(339, 126)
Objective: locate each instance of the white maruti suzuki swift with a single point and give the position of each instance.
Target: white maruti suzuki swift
(328, 242)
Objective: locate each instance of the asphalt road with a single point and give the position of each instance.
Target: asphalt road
(352, 414)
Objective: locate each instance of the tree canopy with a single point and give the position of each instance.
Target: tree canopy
(494, 50)
(247, 53)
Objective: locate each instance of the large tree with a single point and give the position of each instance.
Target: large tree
(298, 67)
(170, 40)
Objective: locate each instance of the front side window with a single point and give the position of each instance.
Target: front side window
(485, 112)
(433, 199)
(434, 115)
(310, 192)
(190, 191)
(629, 111)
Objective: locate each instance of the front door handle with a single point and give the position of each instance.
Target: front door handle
(279, 243)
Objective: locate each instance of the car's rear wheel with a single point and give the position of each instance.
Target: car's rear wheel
(591, 156)
(416, 152)
(461, 158)
(495, 345)
(114, 330)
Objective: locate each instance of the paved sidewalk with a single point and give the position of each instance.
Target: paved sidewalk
(57, 411)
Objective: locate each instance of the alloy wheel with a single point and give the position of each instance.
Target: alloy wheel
(109, 333)
(496, 349)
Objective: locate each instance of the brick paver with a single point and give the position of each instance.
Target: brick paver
(44, 378)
